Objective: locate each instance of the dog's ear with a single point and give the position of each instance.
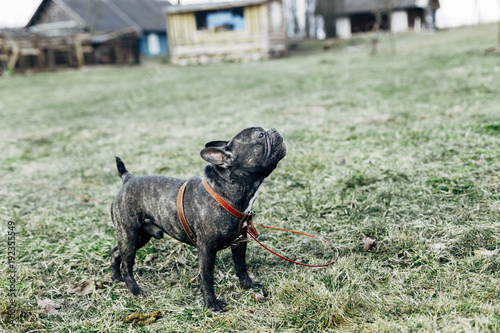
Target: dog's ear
(216, 144)
(218, 156)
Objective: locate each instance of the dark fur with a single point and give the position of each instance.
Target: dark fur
(145, 207)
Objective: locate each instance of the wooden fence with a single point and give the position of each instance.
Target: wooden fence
(22, 51)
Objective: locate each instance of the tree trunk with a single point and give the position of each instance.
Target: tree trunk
(295, 21)
(330, 28)
(376, 28)
(307, 19)
(327, 10)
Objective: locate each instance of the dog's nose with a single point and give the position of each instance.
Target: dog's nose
(275, 135)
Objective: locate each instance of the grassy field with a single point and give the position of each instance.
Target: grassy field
(419, 132)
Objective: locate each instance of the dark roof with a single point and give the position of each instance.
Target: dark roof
(148, 15)
(349, 7)
(112, 15)
(213, 6)
(102, 18)
(360, 6)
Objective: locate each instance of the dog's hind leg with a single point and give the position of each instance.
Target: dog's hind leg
(128, 243)
(116, 261)
(144, 234)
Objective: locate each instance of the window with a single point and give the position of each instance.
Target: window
(220, 20)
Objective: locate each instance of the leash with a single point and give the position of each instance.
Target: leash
(246, 220)
(299, 233)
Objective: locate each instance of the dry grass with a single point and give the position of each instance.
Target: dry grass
(418, 132)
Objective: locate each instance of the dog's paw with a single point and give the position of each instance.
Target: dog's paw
(117, 278)
(217, 305)
(248, 284)
(143, 294)
(139, 292)
(256, 286)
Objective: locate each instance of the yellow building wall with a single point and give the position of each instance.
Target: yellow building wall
(190, 45)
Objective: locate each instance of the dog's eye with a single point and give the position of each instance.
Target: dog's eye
(261, 135)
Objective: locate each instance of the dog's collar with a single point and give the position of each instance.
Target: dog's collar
(236, 213)
(245, 218)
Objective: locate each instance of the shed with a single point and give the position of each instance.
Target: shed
(354, 16)
(22, 50)
(226, 31)
(108, 21)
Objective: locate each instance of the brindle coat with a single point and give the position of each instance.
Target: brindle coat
(145, 207)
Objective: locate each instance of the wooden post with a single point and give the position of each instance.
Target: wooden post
(22, 63)
(52, 58)
(3, 57)
(14, 57)
(39, 63)
(6, 50)
(116, 57)
(41, 56)
(79, 52)
(69, 49)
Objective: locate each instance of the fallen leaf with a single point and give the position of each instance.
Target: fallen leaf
(141, 319)
(48, 306)
(103, 284)
(259, 298)
(84, 288)
(370, 243)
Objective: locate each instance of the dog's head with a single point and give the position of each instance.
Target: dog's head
(252, 150)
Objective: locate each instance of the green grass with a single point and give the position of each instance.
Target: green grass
(419, 133)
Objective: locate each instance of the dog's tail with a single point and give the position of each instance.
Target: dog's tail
(122, 171)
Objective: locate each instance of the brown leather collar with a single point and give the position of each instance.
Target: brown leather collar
(246, 219)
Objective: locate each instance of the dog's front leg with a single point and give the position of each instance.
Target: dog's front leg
(239, 253)
(206, 256)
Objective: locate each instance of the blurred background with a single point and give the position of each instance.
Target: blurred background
(38, 35)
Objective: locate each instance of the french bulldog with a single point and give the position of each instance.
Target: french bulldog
(147, 207)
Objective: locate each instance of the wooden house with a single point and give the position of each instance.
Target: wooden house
(119, 28)
(239, 30)
(354, 16)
